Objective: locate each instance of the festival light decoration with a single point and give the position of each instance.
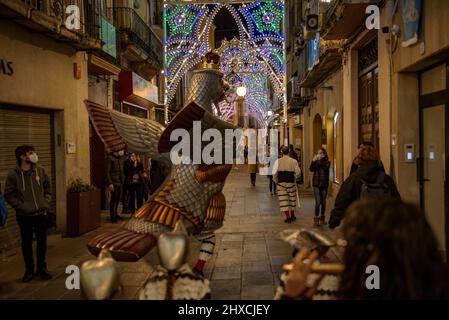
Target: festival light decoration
(259, 48)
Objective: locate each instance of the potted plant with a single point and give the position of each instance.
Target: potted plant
(83, 208)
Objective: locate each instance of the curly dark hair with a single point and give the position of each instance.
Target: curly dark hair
(22, 151)
(396, 237)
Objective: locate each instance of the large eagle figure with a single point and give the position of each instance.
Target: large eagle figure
(191, 192)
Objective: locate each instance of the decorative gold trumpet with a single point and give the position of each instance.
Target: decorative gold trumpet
(316, 241)
(321, 268)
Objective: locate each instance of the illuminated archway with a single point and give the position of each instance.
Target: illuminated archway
(261, 39)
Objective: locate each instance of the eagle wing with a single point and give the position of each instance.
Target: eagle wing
(118, 130)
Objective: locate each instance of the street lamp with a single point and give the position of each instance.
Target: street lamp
(241, 91)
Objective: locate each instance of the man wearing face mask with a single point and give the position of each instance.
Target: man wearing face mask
(27, 190)
(115, 177)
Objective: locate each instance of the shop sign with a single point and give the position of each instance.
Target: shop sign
(108, 37)
(6, 67)
(145, 89)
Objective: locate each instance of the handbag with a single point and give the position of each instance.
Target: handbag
(136, 178)
(3, 211)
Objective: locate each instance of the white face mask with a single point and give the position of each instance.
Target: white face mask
(33, 158)
(121, 153)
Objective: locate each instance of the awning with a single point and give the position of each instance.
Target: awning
(329, 61)
(344, 18)
(99, 66)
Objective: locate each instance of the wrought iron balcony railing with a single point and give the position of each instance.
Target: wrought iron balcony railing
(52, 15)
(139, 32)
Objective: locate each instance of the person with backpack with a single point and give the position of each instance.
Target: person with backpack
(368, 181)
(28, 191)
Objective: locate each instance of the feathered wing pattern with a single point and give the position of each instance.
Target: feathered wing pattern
(118, 130)
(140, 135)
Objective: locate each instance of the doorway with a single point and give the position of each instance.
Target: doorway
(434, 148)
(317, 132)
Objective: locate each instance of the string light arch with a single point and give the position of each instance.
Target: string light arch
(261, 42)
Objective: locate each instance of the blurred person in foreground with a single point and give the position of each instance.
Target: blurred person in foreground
(395, 237)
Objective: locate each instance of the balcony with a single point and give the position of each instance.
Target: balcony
(148, 56)
(342, 18)
(49, 17)
(329, 61)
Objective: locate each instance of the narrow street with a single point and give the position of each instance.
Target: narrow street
(246, 264)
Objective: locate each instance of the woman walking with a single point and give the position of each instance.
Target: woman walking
(320, 182)
(285, 172)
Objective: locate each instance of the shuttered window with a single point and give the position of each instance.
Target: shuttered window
(20, 126)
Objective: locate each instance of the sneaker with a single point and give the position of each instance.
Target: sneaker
(288, 220)
(28, 276)
(293, 218)
(44, 275)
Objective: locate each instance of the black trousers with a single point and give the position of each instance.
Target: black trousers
(253, 178)
(272, 184)
(37, 226)
(115, 200)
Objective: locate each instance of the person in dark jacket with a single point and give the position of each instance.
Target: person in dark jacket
(115, 178)
(369, 170)
(292, 153)
(28, 191)
(133, 169)
(320, 167)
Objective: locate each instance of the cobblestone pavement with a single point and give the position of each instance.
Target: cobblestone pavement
(246, 264)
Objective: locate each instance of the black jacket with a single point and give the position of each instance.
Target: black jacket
(320, 169)
(130, 170)
(351, 188)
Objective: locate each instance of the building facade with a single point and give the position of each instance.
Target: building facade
(49, 67)
(386, 84)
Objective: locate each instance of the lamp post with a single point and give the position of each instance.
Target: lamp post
(241, 93)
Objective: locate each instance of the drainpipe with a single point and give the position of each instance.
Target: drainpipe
(391, 4)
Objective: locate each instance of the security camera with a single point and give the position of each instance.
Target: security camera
(394, 30)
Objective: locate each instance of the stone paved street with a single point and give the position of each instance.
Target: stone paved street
(246, 263)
